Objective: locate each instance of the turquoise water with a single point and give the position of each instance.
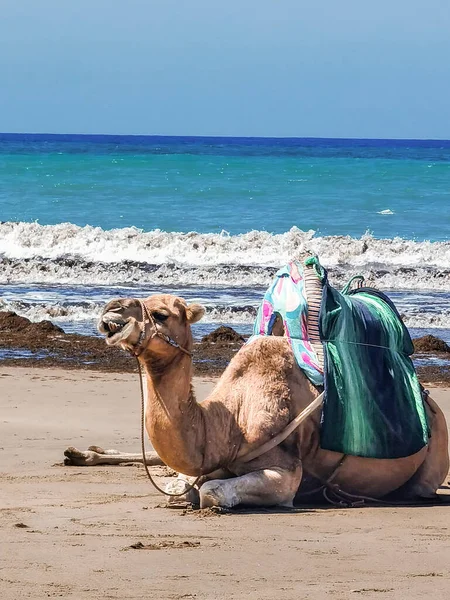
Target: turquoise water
(87, 218)
(335, 187)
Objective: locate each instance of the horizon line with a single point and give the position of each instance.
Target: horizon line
(241, 137)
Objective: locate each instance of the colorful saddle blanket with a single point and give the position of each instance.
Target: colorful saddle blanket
(286, 298)
(373, 403)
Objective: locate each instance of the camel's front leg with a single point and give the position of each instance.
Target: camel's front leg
(95, 455)
(268, 487)
(183, 483)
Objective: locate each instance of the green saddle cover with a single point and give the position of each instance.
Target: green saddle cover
(373, 402)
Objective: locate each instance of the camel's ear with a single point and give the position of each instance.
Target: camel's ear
(194, 312)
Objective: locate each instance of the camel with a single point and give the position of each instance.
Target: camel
(261, 391)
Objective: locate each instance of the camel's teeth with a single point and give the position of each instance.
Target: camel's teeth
(112, 326)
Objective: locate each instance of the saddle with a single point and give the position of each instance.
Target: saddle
(354, 343)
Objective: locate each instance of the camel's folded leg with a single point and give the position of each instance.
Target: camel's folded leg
(97, 456)
(267, 487)
(182, 486)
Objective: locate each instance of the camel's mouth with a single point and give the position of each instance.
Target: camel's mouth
(115, 328)
(112, 328)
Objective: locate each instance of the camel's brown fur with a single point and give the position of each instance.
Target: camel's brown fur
(259, 393)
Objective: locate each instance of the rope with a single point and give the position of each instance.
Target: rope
(280, 437)
(191, 487)
(346, 288)
(135, 352)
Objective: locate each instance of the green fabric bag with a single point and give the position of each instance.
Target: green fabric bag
(373, 402)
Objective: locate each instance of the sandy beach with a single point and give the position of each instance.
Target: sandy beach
(179, 181)
(68, 531)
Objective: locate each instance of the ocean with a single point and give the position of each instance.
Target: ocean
(88, 218)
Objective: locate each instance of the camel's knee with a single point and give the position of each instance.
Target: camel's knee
(183, 491)
(268, 487)
(218, 492)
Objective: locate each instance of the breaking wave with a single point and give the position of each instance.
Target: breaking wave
(89, 311)
(69, 254)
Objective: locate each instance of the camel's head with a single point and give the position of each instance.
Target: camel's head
(167, 317)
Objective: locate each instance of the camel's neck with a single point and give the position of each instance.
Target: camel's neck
(173, 418)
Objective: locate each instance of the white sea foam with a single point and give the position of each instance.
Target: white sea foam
(90, 311)
(427, 320)
(40, 311)
(66, 253)
(387, 211)
(231, 315)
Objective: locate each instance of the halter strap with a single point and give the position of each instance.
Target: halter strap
(148, 322)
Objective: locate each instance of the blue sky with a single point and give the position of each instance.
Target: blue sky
(329, 68)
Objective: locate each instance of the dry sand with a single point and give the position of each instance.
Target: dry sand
(67, 531)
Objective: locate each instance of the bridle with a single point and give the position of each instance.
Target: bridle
(148, 324)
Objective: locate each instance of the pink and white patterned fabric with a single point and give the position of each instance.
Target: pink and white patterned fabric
(286, 297)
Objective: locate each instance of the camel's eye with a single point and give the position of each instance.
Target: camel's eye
(160, 316)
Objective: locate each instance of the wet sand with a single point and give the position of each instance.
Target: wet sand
(67, 531)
